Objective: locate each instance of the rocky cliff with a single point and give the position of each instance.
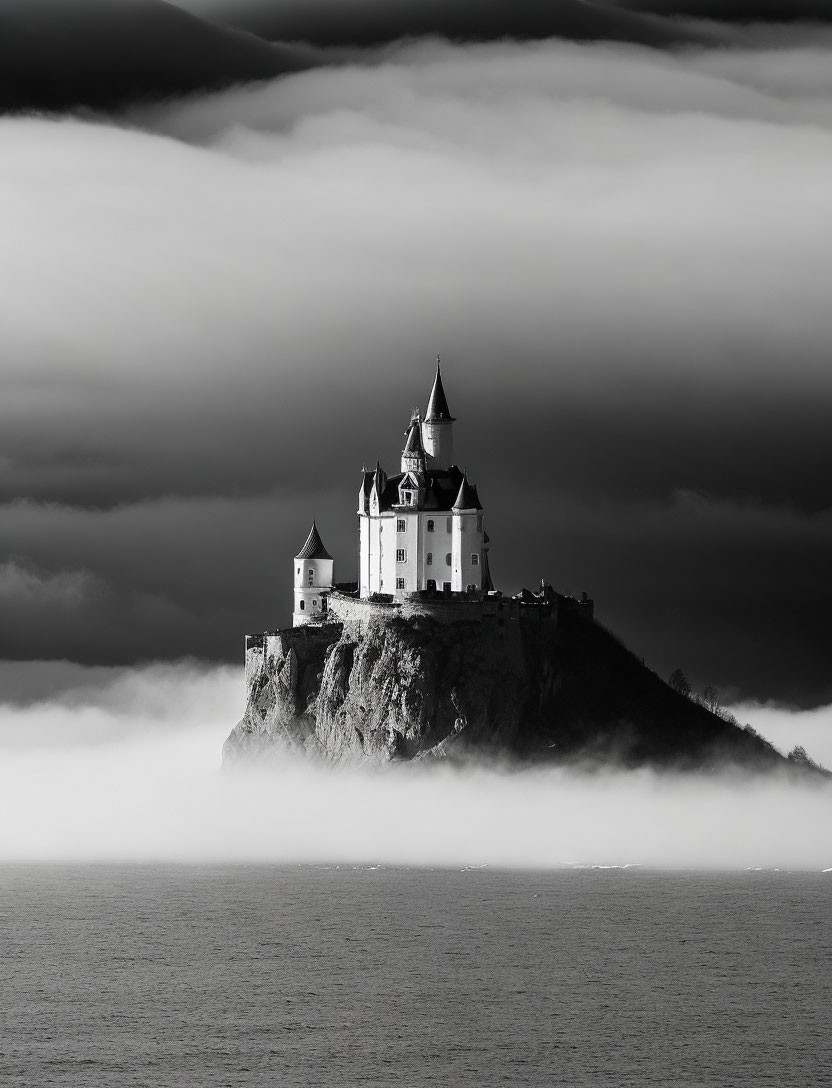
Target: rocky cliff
(541, 689)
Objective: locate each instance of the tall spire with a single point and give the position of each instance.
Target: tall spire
(438, 410)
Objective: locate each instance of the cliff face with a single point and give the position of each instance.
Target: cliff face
(411, 689)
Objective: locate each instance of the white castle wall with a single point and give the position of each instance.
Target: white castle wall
(455, 535)
(467, 542)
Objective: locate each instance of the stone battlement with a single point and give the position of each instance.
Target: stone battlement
(298, 645)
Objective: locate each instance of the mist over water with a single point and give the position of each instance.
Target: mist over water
(124, 764)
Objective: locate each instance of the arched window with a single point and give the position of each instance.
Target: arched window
(303, 606)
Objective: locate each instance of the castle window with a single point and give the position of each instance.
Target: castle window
(401, 525)
(475, 559)
(323, 604)
(448, 559)
(479, 525)
(400, 583)
(430, 525)
(298, 570)
(311, 577)
(450, 524)
(401, 555)
(429, 559)
(302, 606)
(314, 604)
(431, 584)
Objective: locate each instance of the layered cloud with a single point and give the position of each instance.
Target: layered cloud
(123, 764)
(214, 312)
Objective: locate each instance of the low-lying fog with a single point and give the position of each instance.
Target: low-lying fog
(123, 764)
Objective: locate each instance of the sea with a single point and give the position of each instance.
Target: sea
(115, 976)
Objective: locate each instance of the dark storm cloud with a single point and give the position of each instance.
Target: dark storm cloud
(740, 11)
(374, 22)
(210, 319)
(58, 54)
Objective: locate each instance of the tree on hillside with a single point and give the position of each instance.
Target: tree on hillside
(710, 699)
(679, 682)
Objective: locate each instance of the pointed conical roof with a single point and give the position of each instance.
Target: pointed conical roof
(438, 410)
(314, 546)
(467, 498)
(414, 438)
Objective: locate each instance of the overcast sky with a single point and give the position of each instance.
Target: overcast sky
(214, 310)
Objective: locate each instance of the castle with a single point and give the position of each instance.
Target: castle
(420, 531)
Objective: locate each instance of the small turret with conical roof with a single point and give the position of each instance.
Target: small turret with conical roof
(438, 425)
(413, 454)
(313, 569)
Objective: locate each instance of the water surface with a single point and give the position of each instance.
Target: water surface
(192, 977)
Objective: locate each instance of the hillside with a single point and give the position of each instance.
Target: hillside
(534, 691)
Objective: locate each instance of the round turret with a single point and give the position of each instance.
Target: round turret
(438, 426)
(312, 571)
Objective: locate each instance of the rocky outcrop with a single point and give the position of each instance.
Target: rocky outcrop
(531, 690)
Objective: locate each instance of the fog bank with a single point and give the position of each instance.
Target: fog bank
(123, 764)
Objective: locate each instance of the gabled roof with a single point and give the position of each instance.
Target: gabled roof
(441, 488)
(438, 410)
(467, 498)
(314, 546)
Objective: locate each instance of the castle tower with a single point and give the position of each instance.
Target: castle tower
(313, 567)
(438, 426)
(467, 540)
(421, 531)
